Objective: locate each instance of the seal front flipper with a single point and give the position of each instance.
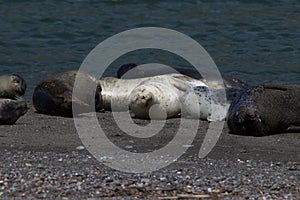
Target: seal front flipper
(180, 85)
(185, 83)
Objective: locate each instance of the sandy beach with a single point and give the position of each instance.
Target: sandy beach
(42, 157)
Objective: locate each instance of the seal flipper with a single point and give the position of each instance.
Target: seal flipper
(180, 85)
(41, 100)
(49, 104)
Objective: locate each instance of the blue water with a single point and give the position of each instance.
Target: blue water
(257, 41)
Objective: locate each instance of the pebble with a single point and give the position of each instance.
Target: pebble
(49, 175)
(187, 145)
(40, 166)
(28, 165)
(128, 147)
(80, 148)
(145, 180)
(163, 179)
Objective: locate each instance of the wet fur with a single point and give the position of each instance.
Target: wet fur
(53, 95)
(11, 111)
(266, 109)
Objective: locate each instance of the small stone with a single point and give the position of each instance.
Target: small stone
(28, 164)
(140, 185)
(275, 187)
(189, 189)
(163, 179)
(40, 166)
(80, 148)
(243, 151)
(145, 180)
(292, 168)
(128, 147)
(187, 145)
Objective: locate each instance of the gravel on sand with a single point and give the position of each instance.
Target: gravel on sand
(43, 157)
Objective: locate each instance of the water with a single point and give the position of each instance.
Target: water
(257, 41)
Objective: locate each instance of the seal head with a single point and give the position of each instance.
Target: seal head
(12, 86)
(11, 110)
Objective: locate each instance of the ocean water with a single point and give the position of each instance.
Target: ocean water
(257, 41)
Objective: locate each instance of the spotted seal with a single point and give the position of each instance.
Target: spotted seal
(53, 95)
(265, 109)
(11, 110)
(115, 92)
(12, 86)
(159, 97)
(208, 103)
(118, 91)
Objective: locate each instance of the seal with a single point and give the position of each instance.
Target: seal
(12, 86)
(141, 72)
(115, 92)
(11, 110)
(265, 109)
(53, 95)
(164, 96)
(118, 94)
(206, 103)
(160, 96)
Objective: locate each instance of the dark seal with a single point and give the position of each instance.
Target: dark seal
(266, 109)
(11, 110)
(54, 94)
(234, 86)
(139, 72)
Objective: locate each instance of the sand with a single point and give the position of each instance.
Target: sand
(43, 143)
